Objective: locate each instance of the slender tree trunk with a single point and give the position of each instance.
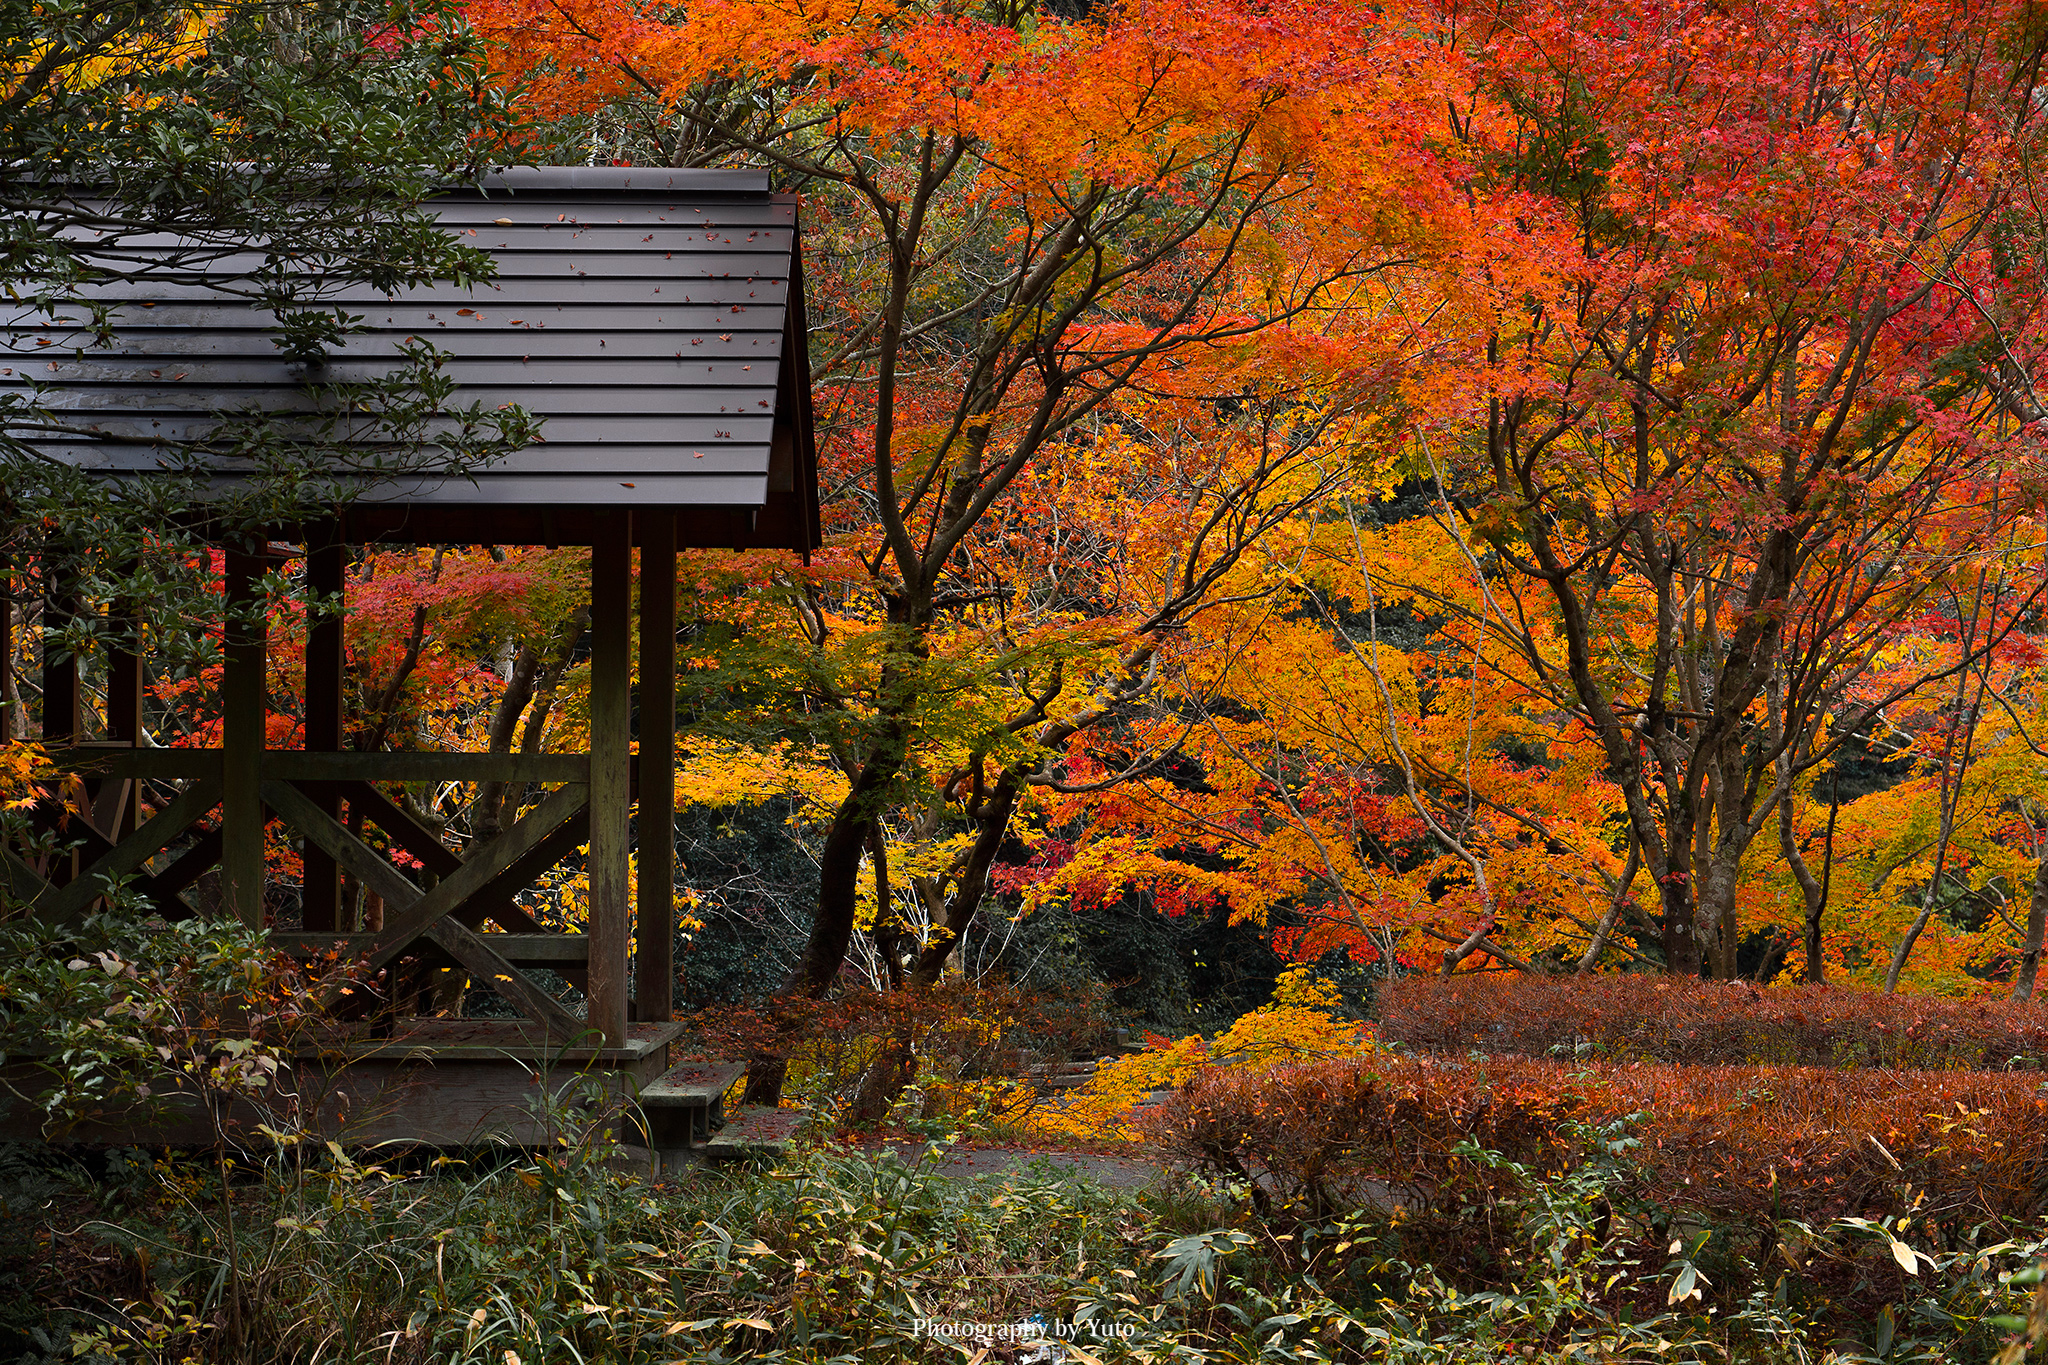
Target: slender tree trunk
(1774, 955)
(1955, 766)
(971, 885)
(1622, 890)
(1816, 893)
(853, 824)
(839, 870)
(490, 797)
(1928, 900)
(889, 932)
(895, 1064)
(1812, 897)
(534, 730)
(373, 738)
(2030, 951)
(1953, 769)
(30, 612)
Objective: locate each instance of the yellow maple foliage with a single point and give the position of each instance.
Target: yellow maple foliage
(23, 765)
(1303, 1022)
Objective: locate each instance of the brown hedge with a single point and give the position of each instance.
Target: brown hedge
(1724, 1144)
(1655, 1018)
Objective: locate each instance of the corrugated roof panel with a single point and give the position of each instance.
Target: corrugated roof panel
(620, 181)
(735, 292)
(741, 458)
(662, 436)
(669, 371)
(559, 329)
(543, 223)
(643, 316)
(680, 256)
(198, 398)
(566, 492)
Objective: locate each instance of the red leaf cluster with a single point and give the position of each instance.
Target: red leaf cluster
(1676, 1019)
(1733, 1146)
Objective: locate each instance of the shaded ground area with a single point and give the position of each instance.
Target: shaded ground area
(1123, 1172)
(1120, 1172)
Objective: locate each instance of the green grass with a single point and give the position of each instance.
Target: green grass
(507, 1256)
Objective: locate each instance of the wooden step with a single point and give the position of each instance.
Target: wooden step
(1060, 1076)
(686, 1104)
(692, 1085)
(755, 1132)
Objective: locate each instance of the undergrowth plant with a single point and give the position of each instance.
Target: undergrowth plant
(1640, 1017)
(1358, 1206)
(510, 1257)
(132, 1016)
(1304, 1021)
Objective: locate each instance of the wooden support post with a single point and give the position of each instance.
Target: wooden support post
(63, 722)
(655, 933)
(118, 808)
(611, 698)
(124, 674)
(244, 706)
(10, 726)
(63, 699)
(124, 695)
(326, 575)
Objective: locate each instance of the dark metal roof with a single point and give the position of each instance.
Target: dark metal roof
(653, 319)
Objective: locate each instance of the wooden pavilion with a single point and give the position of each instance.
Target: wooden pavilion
(654, 321)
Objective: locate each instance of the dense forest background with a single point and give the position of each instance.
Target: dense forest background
(1419, 490)
(1431, 630)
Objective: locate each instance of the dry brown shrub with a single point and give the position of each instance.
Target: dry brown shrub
(1656, 1018)
(1725, 1144)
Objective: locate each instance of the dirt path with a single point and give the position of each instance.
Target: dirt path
(1122, 1172)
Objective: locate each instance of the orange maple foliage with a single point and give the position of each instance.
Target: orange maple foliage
(1722, 451)
(1454, 485)
(1076, 283)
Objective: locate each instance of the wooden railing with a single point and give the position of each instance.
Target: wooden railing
(293, 765)
(438, 921)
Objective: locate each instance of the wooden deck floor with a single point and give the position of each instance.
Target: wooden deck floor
(438, 1082)
(474, 1040)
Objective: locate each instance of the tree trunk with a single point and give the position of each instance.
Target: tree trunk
(1955, 767)
(894, 1068)
(1681, 945)
(1605, 929)
(2030, 951)
(854, 824)
(765, 1079)
(1952, 773)
(889, 933)
(971, 883)
(853, 829)
(489, 822)
(1813, 891)
(1719, 906)
(839, 871)
(535, 727)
